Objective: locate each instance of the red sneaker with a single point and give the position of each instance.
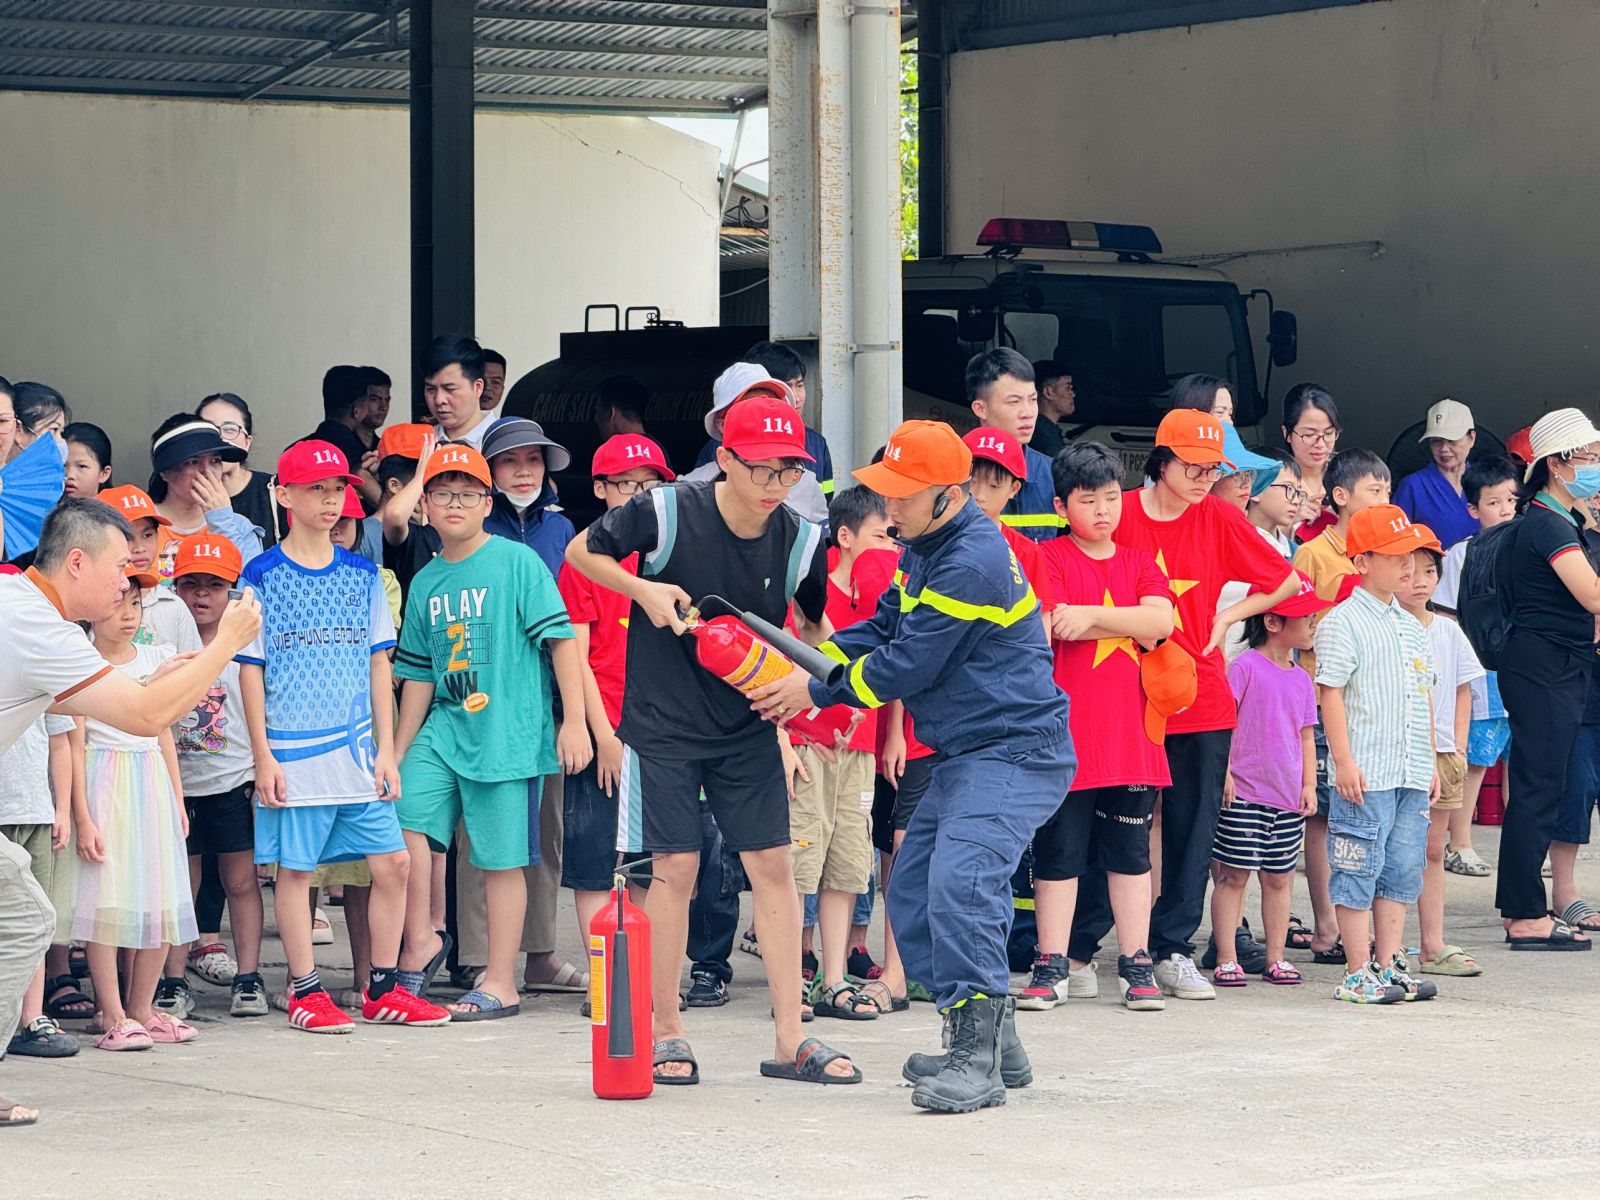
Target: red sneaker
(399, 1007)
(317, 1013)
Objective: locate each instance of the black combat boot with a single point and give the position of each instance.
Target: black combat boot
(970, 1077)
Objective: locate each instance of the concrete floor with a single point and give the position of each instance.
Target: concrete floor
(1486, 1092)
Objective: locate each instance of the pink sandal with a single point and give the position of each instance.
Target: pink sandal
(169, 1030)
(1281, 972)
(127, 1035)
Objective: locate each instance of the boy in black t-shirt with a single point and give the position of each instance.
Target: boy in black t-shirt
(684, 729)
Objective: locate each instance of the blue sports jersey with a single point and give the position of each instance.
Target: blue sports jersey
(319, 631)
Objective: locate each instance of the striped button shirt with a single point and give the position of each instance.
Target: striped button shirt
(1378, 654)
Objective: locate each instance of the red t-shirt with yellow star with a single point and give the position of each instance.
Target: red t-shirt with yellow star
(1102, 676)
(1211, 543)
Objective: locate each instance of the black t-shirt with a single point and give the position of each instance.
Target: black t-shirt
(411, 555)
(1540, 602)
(255, 504)
(672, 707)
(1048, 439)
(344, 438)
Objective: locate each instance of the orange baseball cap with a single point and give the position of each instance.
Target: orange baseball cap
(1195, 437)
(1170, 684)
(210, 554)
(404, 440)
(997, 446)
(1385, 529)
(143, 579)
(457, 456)
(132, 503)
(920, 454)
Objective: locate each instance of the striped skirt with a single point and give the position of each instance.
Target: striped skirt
(139, 896)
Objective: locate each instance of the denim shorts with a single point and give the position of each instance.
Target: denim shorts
(1319, 738)
(1488, 741)
(1377, 848)
(1582, 791)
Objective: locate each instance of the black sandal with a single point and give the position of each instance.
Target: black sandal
(1299, 934)
(56, 1009)
(1331, 957)
(78, 962)
(675, 1050)
(811, 1065)
(1561, 937)
(828, 1005)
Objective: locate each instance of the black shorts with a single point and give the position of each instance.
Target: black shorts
(222, 824)
(1108, 826)
(883, 798)
(658, 806)
(588, 833)
(914, 786)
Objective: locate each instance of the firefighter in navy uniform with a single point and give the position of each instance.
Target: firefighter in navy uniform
(961, 643)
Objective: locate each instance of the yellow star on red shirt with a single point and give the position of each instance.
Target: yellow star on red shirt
(1179, 587)
(1104, 648)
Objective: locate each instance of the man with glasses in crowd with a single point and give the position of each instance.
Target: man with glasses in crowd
(684, 730)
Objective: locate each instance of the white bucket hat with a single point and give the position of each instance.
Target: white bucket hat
(1449, 420)
(734, 383)
(1559, 432)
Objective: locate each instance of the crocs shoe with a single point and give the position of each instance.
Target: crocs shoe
(1466, 862)
(213, 963)
(317, 1013)
(399, 1007)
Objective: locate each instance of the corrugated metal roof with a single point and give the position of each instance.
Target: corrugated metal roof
(604, 55)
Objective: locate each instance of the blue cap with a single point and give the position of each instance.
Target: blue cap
(1246, 460)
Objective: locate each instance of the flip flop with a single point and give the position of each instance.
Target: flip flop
(810, 1065)
(436, 963)
(1581, 915)
(14, 1115)
(1452, 960)
(1560, 937)
(567, 979)
(675, 1050)
(489, 1008)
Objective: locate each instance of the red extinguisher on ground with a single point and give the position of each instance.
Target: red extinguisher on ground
(728, 647)
(619, 999)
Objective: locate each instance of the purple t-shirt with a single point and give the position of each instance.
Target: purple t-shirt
(1275, 704)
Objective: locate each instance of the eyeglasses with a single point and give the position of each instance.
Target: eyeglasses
(631, 487)
(230, 430)
(1314, 437)
(1295, 495)
(1195, 473)
(445, 498)
(763, 476)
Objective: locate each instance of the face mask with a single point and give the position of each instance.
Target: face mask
(1585, 481)
(522, 497)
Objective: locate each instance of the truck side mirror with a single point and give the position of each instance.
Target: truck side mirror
(1283, 338)
(975, 320)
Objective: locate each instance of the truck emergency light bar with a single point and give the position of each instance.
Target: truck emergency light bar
(1022, 232)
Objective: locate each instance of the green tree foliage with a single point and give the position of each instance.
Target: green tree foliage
(909, 146)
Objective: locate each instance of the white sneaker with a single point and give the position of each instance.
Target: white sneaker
(1178, 976)
(1082, 983)
(321, 929)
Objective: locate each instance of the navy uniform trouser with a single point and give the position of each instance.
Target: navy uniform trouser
(950, 893)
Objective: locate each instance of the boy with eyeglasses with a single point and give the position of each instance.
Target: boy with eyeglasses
(624, 466)
(683, 729)
(475, 718)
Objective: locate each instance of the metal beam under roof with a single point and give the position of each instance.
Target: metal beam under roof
(646, 56)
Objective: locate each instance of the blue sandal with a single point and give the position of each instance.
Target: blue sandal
(487, 1007)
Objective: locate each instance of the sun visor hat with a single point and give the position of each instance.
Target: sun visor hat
(191, 440)
(514, 433)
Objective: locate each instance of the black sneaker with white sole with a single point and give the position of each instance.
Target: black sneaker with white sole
(706, 990)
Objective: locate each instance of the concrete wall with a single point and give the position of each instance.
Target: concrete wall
(152, 251)
(1459, 133)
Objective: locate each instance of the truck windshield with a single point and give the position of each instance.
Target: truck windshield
(1125, 341)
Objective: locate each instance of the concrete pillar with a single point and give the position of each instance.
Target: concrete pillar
(442, 278)
(834, 234)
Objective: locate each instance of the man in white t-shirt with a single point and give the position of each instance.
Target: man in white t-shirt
(452, 374)
(78, 575)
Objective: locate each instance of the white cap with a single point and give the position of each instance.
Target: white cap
(1448, 419)
(732, 385)
(1558, 432)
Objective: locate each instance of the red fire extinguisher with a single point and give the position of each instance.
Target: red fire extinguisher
(619, 999)
(727, 648)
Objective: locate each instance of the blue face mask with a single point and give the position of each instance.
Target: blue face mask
(1585, 481)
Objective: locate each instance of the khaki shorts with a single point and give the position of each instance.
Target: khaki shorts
(830, 823)
(1452, 770)
(35, 839)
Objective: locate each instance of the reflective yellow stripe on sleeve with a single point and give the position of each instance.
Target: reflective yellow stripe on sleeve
(827, 486)
(963, 611)
(833, 652)
(1033, 520)
(858, 685)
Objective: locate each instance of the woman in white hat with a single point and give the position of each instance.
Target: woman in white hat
(1547, 667)
(1433, 495)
